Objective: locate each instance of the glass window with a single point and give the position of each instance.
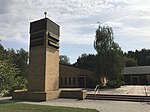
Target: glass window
(65, 80)
(61, 81)
(74, 80)
(69, 81)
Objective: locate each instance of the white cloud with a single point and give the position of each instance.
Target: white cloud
(113, 24)
(77, 18)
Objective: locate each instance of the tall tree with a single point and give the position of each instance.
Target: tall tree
(1, 52)
(110, 60)
(64, 59)
(130, 62)
(8, 74)
(116, 62)
(10, 71)
(142, 56)
(86, 61)
(22, 62)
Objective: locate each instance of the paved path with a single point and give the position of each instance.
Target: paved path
(100, 105)
(126, 90)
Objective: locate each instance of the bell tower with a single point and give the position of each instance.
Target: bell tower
(43, 77)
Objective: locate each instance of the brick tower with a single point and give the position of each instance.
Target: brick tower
(43, 78)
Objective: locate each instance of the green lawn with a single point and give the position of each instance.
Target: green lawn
(18, 107)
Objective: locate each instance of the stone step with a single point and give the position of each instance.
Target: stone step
(134, 98)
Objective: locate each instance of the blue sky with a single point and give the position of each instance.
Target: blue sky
(130, 20)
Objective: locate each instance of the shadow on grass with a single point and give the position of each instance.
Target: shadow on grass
(7, 100)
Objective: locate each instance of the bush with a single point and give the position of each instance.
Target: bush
(21, 84)
(115, 83)
(4, 92)
(101, 86)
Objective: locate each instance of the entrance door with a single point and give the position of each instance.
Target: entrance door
(134, 80)
(81, 81)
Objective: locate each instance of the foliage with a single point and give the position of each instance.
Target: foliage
(115, 83)
(102, 43)
(7, 75)
(142, 56)
(130, 62)
(110, 60)
(18, 107)
(64, 59)
(86, 61)
(116, 62)
(19, 59)
(12, 69)
(22, 62)
(103, 39)
(102, 86)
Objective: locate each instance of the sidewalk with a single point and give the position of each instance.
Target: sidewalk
(100, 105)
(125, 90)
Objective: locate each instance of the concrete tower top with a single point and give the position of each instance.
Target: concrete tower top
(45, 24)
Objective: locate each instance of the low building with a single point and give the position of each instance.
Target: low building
(75, 77)
(137, 75)
(72, 76)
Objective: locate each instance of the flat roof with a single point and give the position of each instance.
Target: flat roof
(137, 70)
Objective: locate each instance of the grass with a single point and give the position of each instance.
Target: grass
(19, 107)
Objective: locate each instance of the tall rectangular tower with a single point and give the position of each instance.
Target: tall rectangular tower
(43, 77)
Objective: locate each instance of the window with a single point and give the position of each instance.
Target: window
(65, 80)
(61, 81)
(69, 81)
(74, 80)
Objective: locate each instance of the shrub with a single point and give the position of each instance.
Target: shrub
(101, 86)
(115, 83)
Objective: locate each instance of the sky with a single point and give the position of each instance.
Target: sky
(78, 20)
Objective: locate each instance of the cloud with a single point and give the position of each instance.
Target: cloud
(113, 24)
(17, 14)
(77, 18)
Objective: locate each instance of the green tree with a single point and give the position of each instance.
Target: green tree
(130, 62)
(8, 74)
(19, 58)
(10, 71)
(2, 52)
(110, 60)
(142, 56)
(86, 61)
(116, 62)
(22, 62)
(64, 59)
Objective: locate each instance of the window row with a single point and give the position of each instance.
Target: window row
(68, 81)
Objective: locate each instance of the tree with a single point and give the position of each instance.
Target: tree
(103, 39)
(109, 60)
(22, 62)
(86, 61)
(19, 58)
(7, 75)
(10, 71)
(116, 62)
(142, 56)
(130, 62)
(64, 59)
